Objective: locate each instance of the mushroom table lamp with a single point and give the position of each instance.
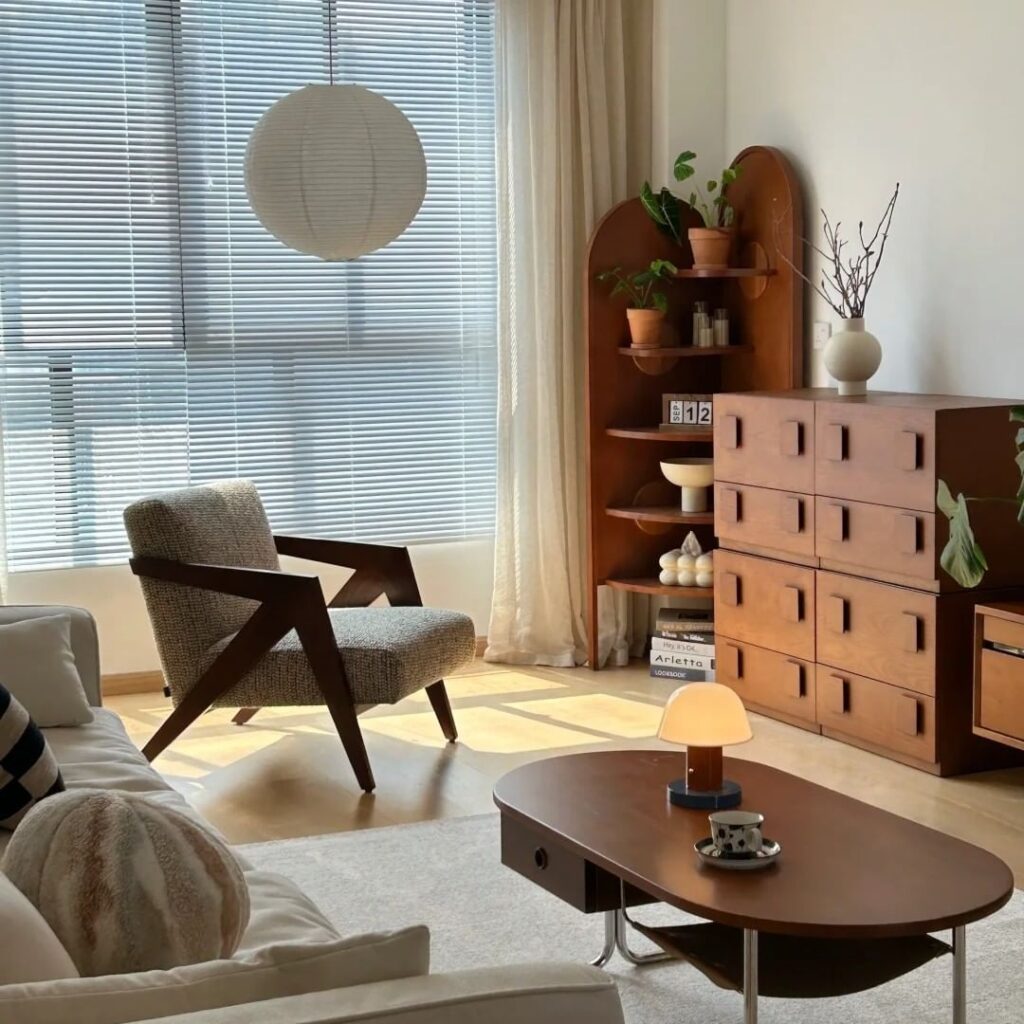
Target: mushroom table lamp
(704, 717)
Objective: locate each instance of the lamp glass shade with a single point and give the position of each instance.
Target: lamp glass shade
(335, 171)
(705, 715)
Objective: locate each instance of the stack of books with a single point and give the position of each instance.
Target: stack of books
(683, 647)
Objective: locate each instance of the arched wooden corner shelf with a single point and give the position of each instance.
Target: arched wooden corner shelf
(660, 514)
(683, 352)
(653, 586)
(725, 272)
(764, 298)
(657, 434)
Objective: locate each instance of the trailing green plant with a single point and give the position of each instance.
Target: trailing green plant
(664, 207)
(962, 557)
(639, 286)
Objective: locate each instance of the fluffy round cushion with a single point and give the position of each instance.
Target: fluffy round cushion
(127, 884)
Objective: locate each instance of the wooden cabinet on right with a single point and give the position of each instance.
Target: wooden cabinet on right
(831, 606)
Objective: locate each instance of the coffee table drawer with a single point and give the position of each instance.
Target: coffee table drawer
(767, 679)
(879, 714)
(760, 517)
(878, 630)
(873, 453)
(876, 539)
(764, 602)
(767, 442)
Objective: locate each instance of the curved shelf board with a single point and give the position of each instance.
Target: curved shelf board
(687, 351)
(661, 514)
(651, 585)
(726, 272)
(654, 434)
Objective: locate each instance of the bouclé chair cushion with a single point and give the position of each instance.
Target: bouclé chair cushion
(127, 884)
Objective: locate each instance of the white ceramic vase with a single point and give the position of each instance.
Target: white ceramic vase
(852, 356)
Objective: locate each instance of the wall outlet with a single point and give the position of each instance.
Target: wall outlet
(822, 332)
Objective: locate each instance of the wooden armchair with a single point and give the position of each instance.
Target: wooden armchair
(233, 630)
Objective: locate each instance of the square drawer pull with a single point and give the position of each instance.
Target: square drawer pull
(795, 684)
(792, 603)
(837, 613)
(731, 589)
(793, 514)
(910, 632)
(908, 714)
(732, 662)
(730, 431)
(909, 450)
(732, 509)
(791, 438)
(908, 533)
(838, 695)
(836, 442)
(837, 522)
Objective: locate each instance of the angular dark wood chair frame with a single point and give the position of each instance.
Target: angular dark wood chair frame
(295, 601)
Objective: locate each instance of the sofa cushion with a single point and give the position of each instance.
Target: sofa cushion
(268, 973)
(38, 667)
(29, 951)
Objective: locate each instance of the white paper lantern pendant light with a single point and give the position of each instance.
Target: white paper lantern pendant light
(335, 171)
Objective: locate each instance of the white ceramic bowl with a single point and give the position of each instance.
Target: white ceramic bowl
(689, 472)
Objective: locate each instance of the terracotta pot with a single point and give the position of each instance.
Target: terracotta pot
(645, 327)
(710, 247)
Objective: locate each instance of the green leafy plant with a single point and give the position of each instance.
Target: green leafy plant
(639, 286)
(962, 557)
(664, 207)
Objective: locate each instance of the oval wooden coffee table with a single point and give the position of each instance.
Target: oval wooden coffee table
(598, 831)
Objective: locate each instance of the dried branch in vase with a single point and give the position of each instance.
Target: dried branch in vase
(846, 279)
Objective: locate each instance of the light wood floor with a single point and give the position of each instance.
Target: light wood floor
(285, 773)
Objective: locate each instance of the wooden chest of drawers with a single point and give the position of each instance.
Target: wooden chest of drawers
(831, 607)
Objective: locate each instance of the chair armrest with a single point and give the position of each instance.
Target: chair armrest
(538, 993)
(380, 569)
(258, 584)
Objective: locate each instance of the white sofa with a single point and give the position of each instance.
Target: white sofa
(101, 755)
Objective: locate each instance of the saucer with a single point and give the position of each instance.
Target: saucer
(768, 854)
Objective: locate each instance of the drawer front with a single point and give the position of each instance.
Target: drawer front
(767, 678)
(761, 517)
(767, 603)
(886, 716)
(1001, 693)
(552, 867)
(768, 442)
(877, 630)
(1003, 631)
(876, 538)
(875, 454)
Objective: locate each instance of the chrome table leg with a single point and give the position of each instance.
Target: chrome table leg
(749, 976)
(622, 923)
(609, 940)
(960, 975)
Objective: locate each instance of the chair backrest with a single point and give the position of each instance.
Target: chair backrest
(217, 524)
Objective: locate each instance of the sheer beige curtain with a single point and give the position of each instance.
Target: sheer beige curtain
(574, 87)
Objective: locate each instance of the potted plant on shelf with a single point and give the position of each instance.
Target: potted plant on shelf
(647, 304)
(852, 354)
(712, 243)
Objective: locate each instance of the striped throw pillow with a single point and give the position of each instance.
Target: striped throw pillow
(28, 769)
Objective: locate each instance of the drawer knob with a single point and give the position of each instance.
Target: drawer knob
(795, 685)
(836, 442)
(910, 632)
(838, 614)
(540, 858)
(908, 714)
(732, 594)
(791, 438)
(837, 523)
(839, 695)
(792, 601)
(732, 505)
(909, 450)
(733, 661)
(793, 514)
(730, 431)
(908, 533)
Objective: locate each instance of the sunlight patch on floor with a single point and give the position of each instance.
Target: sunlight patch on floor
(490, 684)
(604, 713)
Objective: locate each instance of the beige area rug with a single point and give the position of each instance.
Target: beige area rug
(448, 874)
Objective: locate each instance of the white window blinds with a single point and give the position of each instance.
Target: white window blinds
(153, 333)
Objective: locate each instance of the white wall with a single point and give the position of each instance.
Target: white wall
(688, 96)
(457, 576)
(929, 92)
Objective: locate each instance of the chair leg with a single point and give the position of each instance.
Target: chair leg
(173, 726)
(343, 713)
(438, 696)
(243, 715)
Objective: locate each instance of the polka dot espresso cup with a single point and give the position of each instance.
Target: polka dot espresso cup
(737, 833)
